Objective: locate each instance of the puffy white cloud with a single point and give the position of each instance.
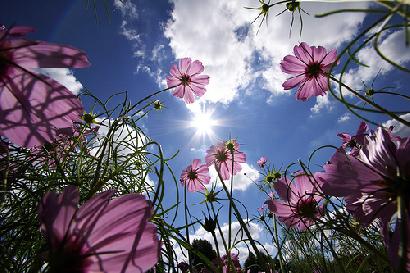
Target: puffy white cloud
(127, 8)
(128, 146)
(322, 102)
(220, 35)
(64, 76)
(131, 35)
(241, 180)
(399, 128)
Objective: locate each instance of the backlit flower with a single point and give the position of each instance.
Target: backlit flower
(102, 235)
(372, 181)
(226, 158)
(298, 205)
(33, 106)
(354, 143)
(187, 79)
(309, 68)
(262, 161)
(195, 176)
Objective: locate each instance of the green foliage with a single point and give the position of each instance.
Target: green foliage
(262, 263)
(204, 247)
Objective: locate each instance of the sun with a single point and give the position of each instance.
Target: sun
(204, 123)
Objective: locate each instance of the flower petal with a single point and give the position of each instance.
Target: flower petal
(50, 55)
(294, 81)
(292, 65)
(33, 107)
(195, 68)
(56, 212)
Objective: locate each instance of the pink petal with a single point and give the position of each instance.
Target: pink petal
(179, 91)
(184, 65)
(322, 85)
(319, 53)
(189, 96)
(200, 79)
(33, 107)
(382, 152)
(309, 89)
(294, 81)
(345, 137)
(20, 30)
(56, 212)
(131, 240)
(173, 82)
(363, 128)
(175, 71)
(403, 156)
(196, 163)
(50, 55)
(330, 58)
(292, 65)
(345, 175)
(198, 90)
(283, 189)
(195, 68)
(303, 52)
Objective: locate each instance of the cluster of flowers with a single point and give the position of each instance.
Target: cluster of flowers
(371, 170)
(35, 110)
(309, 67)
(224, 156)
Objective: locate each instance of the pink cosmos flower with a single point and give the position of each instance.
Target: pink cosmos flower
(262, 161)
(33, 106)
(371, 182)
(354, 142)
(298, 205)
(195, 176)
(103, 235)
(309, 68)
(187, 79)
(222, 155)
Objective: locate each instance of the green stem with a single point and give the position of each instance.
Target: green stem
(375, 105)
(238, 216)
(230, 212)
(275, 226)
(187, 231)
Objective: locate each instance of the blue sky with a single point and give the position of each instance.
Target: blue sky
(133, 48)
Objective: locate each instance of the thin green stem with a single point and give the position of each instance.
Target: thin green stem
(187, 230)
(275, 226)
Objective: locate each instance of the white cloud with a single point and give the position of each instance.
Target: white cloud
(129, 14)
(255, 230)
(399, 128)
(241, 180)
(393, 46)
(205, 30)
(131, 35)
(345, 117)
(128, 146)
(322, 102)
(127, 7)
(64, 76)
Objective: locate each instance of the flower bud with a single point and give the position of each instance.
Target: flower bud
(209, 224)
